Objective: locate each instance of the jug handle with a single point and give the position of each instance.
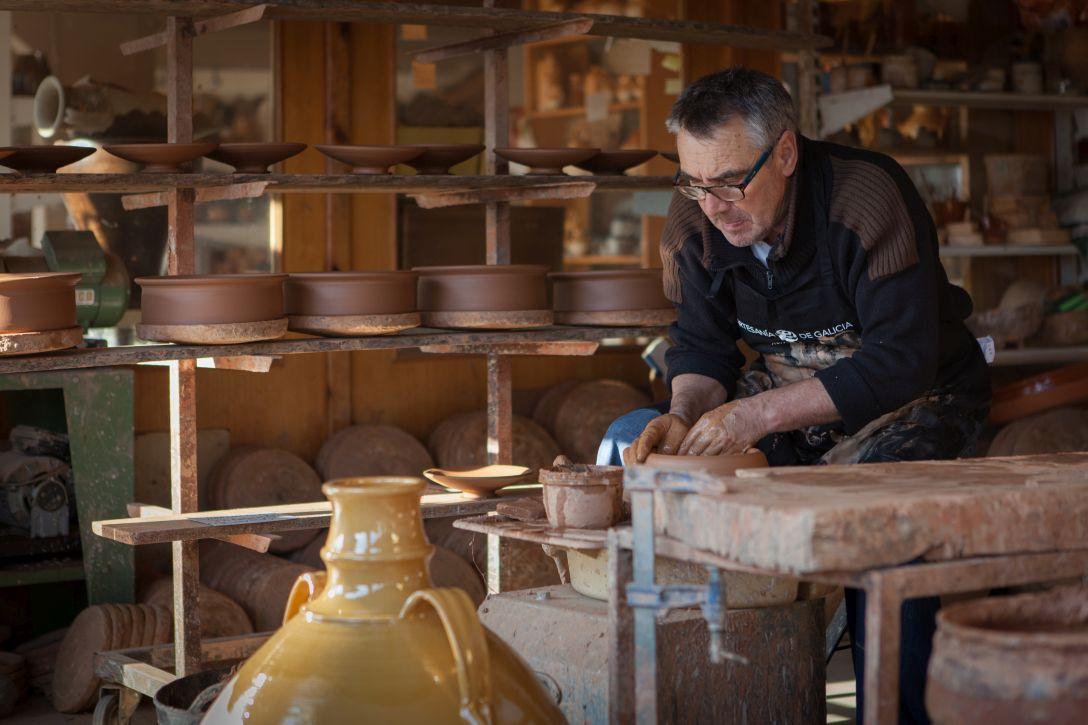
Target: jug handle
(468, 643)
(305, 589)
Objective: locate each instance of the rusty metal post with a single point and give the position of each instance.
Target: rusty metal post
(621, 675)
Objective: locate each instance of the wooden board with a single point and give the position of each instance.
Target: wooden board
(536, 532)
(349, 325)
(231, 333)
(27, 343)
(849, 518)
(619, 318)
(488, 320)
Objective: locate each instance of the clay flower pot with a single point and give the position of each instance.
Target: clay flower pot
(38, 301)
(615, 163)
(370, 160)
(583, 497)
(477, 481)
(726, 465)
(502, 296)
(611, 297)
(212, 309)
(440, 158)
(254, 158)
(41, 159)
(351, 303)
(547, 161)
(161, 158)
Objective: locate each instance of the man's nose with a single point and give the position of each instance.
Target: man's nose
(712, 205)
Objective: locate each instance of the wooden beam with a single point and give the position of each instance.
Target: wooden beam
(571, 190)
(224, 192)
(497, 41)
(199, 27)
(255, 542)
(581, 348)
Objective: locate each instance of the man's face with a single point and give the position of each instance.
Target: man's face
(726, 157)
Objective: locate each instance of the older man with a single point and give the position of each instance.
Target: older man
(823, 259)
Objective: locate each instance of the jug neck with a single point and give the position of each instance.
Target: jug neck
(376, 553)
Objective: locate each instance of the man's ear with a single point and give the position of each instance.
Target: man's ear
(787, 153)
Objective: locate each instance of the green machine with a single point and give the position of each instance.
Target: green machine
(103, 290)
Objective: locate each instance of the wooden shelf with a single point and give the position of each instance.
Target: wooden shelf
(535, 532)
(1002, 250)
(603, 260)
(998, 101)
(323, 183)
(1042, 355)
(135, 354)
(576, 111)
(683, 31)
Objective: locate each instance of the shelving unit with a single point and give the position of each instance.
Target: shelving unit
(142, 672)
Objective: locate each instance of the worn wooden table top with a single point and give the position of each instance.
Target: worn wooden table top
(852, 518)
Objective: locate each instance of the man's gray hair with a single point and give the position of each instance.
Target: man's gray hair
(715, 99)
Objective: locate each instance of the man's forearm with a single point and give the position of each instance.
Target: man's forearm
(694, 394)
(794, 406)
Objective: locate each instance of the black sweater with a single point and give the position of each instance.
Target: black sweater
(854, 291)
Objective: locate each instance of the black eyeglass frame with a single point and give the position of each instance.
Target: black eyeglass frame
(698, 193)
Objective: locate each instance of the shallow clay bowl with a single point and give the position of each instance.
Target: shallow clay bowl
(38, 301)
(1065, 386)
(163, 158)
(547, 161)
(440, 158)
(714, 465)
(615, 163)
(211, 299)
(351, 293)
(483, 288)
(41, 159)
(478, 481)
(671, 156)
(619, 289)
(254, 158)
(370, 159)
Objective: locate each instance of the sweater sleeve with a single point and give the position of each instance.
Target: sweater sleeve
(887, 256)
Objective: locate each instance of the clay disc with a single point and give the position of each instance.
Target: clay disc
(268, 477)
(11, 663)
(548, 406)
(139, 621)
(220, 616)
(372, 450)
(461, 440)
(151, 623)
(164, 626)
(25, 343)
(493, 320)
(351, 325)
(447, 569)
(231, 333)
(588, 410)
(74, 682)
(617, 318)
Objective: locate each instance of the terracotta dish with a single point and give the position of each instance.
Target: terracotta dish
(725, 465)
(484, 296)
(610, 297)
(38, 301)
(42, 159)
(370, 160)
(1055, 388)
(547, 161)
(350, 293)
(254, 158)
(212, 299)
(440, 158)
(671, 156)
(162, 158)
(615, 163)
(477, 482)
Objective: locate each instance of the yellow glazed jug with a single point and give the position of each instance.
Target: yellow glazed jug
(370, 641)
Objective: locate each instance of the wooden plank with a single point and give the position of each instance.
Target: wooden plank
(255, 542)
(124, 670)
(621, 634)
(851, 518)
(996, 101)
(269, 519)
(502, 41)
(500, 19)
(571, 190)
(200, 27)
(134, 354)
(515, 348)
(500, 413)
(219, 192)
(534, 532)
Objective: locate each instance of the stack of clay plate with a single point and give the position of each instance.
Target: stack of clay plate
(578, 415)
(612, 297)
(351, 303)
(38, 312)
(484, 297)
(13, 680)
(248, 477)
(216, 309)
(102, 628)
(41, 656)
(460, 441)
(371, 450)
(260, 583)
(220, 616)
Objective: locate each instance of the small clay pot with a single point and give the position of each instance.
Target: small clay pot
(254, 158)
(440, 158)
(42, 159)
(606, 290)
(161, 158)
(370, 160)
(547, 161)
(212, 299)
(483, 288)
(615, 163)
(37, 301)
(726, 465)
(351, 293)
(590, 497)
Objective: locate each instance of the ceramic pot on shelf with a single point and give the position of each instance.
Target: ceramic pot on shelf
(375, 642)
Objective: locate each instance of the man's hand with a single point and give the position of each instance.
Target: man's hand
(730, 428)
(664, 434)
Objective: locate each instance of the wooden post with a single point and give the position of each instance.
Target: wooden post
(806, 74)
(181, 259)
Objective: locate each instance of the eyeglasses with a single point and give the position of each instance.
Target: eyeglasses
(723, 192)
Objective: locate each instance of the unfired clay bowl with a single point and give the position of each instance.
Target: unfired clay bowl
(41, 159)
(725, 465)
(591, 498)
(211, 299)
(38, 301)
(616, 162)
(620, 289)
(483, 288)
(350, 293)
(547, 161)
(478, 481)
(254, 158)
(370, 160)
(440, 158)
(163, 158)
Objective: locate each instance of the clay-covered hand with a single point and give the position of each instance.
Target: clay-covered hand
(663, 434)
(731, 428)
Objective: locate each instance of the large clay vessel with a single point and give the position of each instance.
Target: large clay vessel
(374, 642)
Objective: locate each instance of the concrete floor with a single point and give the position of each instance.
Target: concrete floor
(840, 689)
